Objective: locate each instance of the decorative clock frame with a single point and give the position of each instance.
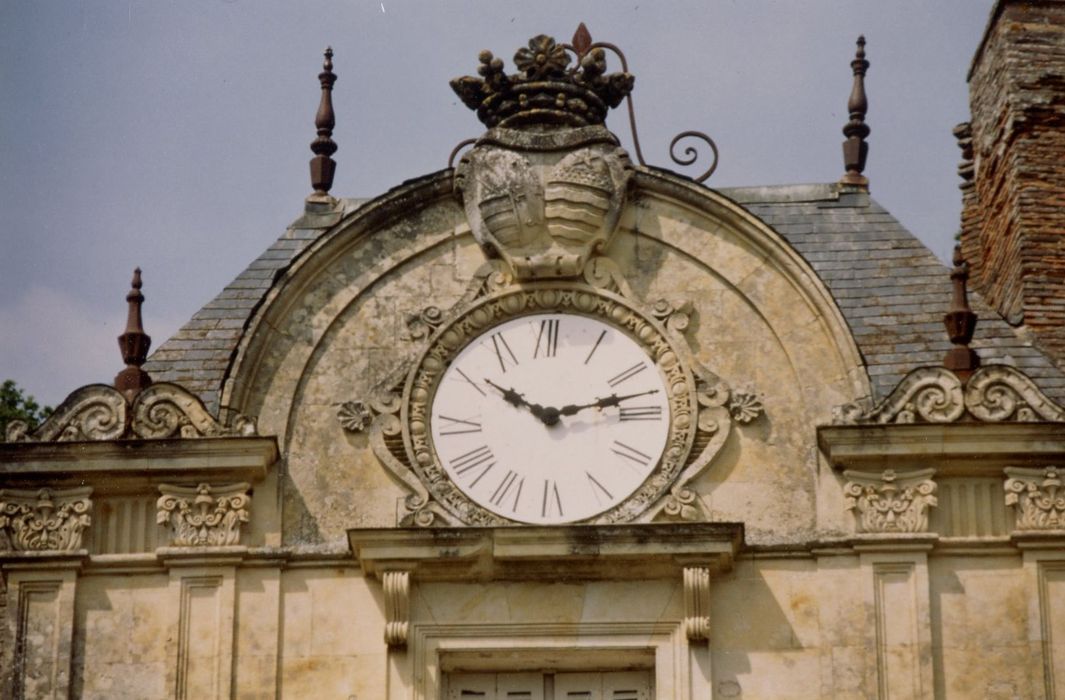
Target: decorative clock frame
(703, 406)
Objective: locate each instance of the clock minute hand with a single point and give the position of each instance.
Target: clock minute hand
(612, 400)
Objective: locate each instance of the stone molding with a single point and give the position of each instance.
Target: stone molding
(1037, 497)
(891, 501)
(994, 393)
(204, 516)
(396, 586)
(44, 519)
(99, 412)
(587, 552)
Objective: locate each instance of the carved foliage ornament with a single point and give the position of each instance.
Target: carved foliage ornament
(994, 393)
(100, 412)
(1037, 496)
(44, 519)
(703, 407)
(204, 516)
(891, 501)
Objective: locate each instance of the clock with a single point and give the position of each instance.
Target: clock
(550, 418)
(549, 406)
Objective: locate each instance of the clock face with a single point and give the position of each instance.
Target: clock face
(550, 418)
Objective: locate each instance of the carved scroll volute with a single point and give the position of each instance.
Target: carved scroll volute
(397, 607)
(44, 519)
(544, 203)
(697, 603)
(891, 502)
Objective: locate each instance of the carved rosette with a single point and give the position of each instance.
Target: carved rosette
(544, 202)
(100, 412)
(890, 502)
(1037, 497)
(994, 393)
(44, 519)
(204, 516)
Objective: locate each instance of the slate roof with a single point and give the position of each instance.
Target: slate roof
(891, 290)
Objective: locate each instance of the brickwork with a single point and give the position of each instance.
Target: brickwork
(1013, 221)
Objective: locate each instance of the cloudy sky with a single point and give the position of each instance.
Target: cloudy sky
(174, 135)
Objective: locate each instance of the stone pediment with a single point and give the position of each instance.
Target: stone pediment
(101, 412)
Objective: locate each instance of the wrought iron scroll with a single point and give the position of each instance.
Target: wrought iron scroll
(458, 147)
(691, 154)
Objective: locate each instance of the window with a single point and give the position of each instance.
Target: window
(600, 685)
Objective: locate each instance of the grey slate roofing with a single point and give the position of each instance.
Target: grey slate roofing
(891, 290)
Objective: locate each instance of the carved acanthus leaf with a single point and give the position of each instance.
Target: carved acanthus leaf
(994, 393)
(890, 501)
(1037, 496)
(204, 516)
(99, 412)
(44, 519)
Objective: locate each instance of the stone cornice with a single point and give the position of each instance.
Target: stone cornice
(547, 553)
(125, 464)
(951, 448)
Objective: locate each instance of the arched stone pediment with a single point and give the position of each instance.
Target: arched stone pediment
(342, 320)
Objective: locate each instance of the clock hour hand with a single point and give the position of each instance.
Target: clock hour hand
(547, 414)
(612, 400)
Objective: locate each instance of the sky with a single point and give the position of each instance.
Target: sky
(174, 135)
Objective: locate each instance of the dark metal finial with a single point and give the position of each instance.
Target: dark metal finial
(855, 149)
(134, 345)
(322, 166)
(960, 322)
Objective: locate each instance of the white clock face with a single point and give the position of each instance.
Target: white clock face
(550, 418)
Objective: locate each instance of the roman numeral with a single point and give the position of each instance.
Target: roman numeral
(551, 499)
(502, 350)
(548, 336)
(468, 460)
(627, 374)
(595, 347)
(640, 413)
(597, 487)
(470, 382)
(509, 481)
(630, 453)
(459, 426)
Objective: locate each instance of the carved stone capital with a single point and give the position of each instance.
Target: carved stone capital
(44, 519)
(1037, 497)
(397, 607)
(890, 501)
(697, 603)
(204, 516)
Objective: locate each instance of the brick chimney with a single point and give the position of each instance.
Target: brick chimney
(1013, 168)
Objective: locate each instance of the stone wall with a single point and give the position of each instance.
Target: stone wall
(1013, 221)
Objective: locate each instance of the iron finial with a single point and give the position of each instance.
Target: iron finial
(134, 345)
(323, 166)
(582, 40)
(855, 149)
(960, 322)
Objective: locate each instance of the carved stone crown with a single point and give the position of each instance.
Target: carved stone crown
(546, 90)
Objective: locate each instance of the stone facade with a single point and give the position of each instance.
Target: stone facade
(832, 515)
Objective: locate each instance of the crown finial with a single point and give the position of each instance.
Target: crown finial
(546, 90)
(960, 322)
(322, 166)
(134, 345)
(855, 149)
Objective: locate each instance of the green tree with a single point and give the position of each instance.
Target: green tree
(16, 404)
